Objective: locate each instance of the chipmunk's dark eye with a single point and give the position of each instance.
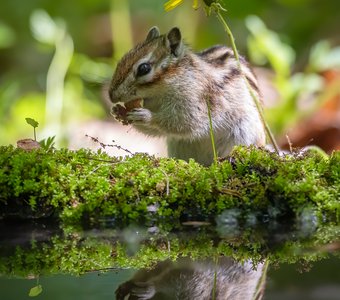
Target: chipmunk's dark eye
(143, 69)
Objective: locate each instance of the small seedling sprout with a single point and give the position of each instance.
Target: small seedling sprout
(34, 124)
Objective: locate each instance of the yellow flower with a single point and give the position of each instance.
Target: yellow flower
(195, 4)
(170, 5)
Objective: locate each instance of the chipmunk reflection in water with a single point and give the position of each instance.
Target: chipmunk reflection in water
(191, 280)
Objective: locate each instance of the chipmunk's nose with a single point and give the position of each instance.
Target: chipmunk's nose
(114, 97)
(111, 94)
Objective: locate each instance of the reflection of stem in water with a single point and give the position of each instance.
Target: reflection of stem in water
(213, 297)
(261, 284)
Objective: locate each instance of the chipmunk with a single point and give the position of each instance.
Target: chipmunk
(177, 85)
(188, 280)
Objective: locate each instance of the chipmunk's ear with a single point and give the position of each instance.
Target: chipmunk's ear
(153, 33)
(174, 41)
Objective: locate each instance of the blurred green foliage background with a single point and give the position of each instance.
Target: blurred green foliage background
(55, 56)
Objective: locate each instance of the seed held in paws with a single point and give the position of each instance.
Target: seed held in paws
(120, 112)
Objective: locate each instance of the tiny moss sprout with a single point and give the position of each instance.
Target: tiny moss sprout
(46, 144)
(34, 124)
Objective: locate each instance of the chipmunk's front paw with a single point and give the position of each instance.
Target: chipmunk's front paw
(139, 116)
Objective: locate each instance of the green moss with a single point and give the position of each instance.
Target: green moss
(78, 186)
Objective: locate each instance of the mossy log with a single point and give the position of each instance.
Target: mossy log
(78, 186)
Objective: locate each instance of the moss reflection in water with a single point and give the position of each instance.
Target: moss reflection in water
(238, 261)
(78, 253)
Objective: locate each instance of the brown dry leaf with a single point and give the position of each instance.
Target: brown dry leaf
(322, 128)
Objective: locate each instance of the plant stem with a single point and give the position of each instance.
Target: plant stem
(217, 9)
(35, 134)
(55, 81)
(120, 18)
(212, 133)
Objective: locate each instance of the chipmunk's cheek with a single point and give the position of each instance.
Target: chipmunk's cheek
(133, 91)
(139, 115)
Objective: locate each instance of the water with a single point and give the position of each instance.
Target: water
(196, 261)
(322, 282)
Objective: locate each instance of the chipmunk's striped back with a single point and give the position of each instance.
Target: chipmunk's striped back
(223, 57)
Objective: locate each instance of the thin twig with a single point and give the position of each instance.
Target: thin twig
(103, 145)
(167, 183)
(230, 192)
(289, 144)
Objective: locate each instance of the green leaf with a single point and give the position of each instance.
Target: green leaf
(35, 291)
(32, 122)
(323, 57)
(48, 143)
(266, 45)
